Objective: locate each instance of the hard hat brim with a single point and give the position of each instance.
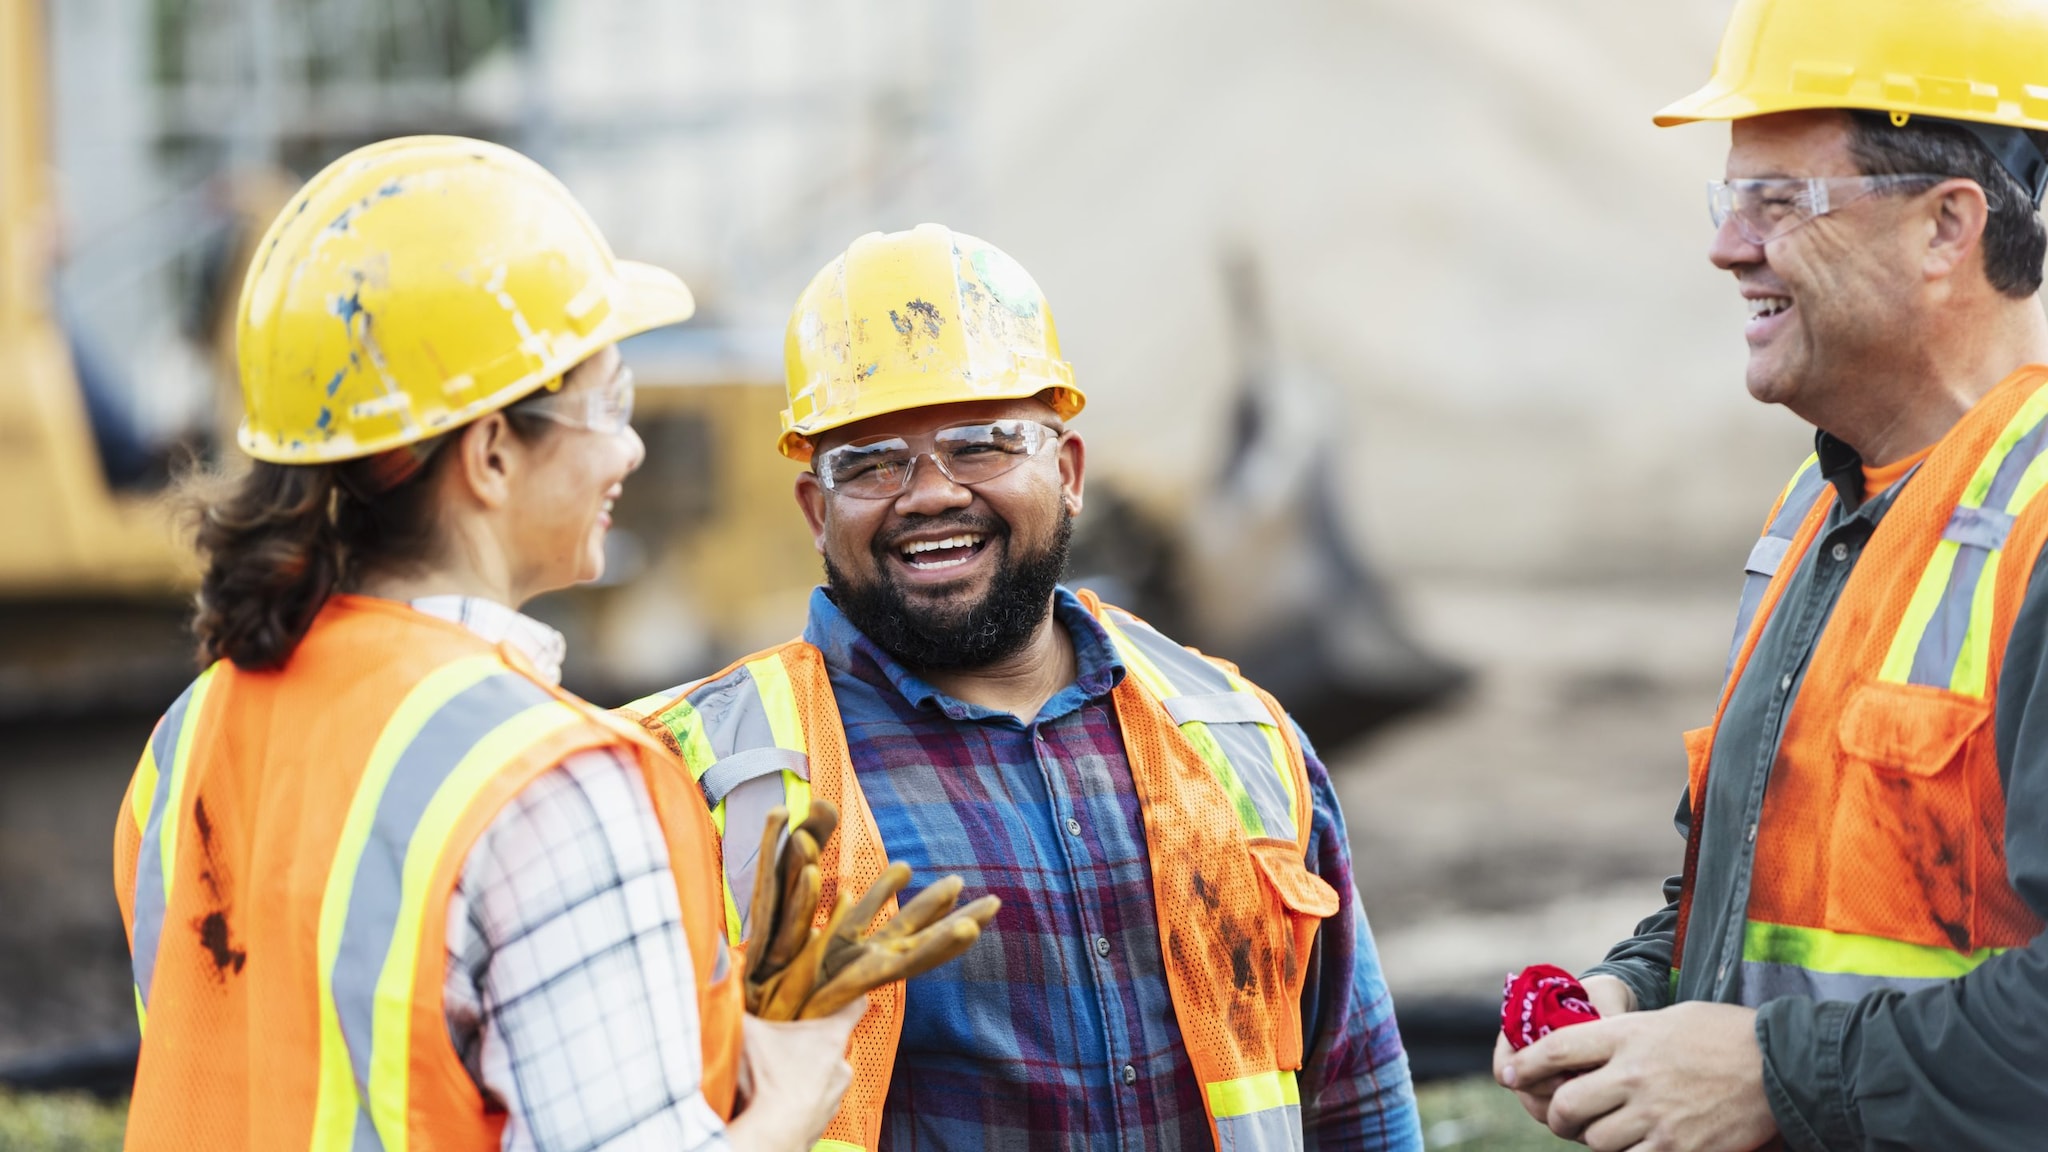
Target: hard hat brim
(1714, 102)
(652, 298)
(1065, 400)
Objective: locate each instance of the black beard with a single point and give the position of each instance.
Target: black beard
(996, 627)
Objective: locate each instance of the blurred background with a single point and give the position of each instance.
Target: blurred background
(1410, 386)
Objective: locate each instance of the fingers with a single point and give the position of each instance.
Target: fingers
(761, 909)
(927, 907)
(1581, 1101)
(820, 822)
(1571, 1049)
(801, 976)
(846, 943)
(799, 905)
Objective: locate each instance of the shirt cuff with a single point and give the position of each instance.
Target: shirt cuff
(1650, 982)
(1802, 1042)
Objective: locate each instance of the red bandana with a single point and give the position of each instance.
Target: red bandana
(1538, 1001)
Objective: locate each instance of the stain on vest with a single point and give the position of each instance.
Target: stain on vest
(214, 934)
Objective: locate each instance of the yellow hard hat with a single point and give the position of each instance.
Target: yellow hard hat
(417, 284)
(1985, 61)
(908, 319)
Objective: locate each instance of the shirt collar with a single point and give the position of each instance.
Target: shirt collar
(1098, 668)
(498, 624)
(1842, 467)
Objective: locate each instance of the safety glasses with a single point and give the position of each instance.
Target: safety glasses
(607, 410)
(1766, 209)
(966, 454)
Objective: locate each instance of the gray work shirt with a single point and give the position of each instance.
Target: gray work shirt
(1953, 1068)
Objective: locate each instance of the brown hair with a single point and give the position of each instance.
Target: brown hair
(278, 539)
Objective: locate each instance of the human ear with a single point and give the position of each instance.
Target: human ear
(1073, 468)
(488, 460)
(1958, 214)
(810, 496)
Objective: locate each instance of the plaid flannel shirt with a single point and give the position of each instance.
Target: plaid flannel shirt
(569, 989)
(1058, 1030)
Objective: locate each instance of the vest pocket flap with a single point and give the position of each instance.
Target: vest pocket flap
(1910, 728)
(1300, 889)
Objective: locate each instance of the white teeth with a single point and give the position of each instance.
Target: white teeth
(964, 541)
(1764, 306)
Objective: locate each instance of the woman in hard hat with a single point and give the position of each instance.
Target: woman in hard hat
(386, 884)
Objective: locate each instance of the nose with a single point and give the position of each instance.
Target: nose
(930, 490)
(1729, 250)
(637, 449)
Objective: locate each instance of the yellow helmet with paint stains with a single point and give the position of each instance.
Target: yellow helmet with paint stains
(908, 319)
(417, 284)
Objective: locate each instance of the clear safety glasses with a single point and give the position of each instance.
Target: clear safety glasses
(607, 409)
(966, 454)
(1766, 209)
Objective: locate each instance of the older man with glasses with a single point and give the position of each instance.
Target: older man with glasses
(1180, 960)
(1853, 955)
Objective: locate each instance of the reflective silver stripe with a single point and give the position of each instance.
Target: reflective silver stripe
(1941, 641)
(1762, 982)
(736, 768)
(1770, 550)
(1218, 708)
(746, 814)
(149, 863)
(1768, 553)
(733, 714)
(379, 882)
(1241, 734)
(1268, 1130)
(1984, 528)
(2014, 467)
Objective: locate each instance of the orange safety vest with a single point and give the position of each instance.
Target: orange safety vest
(284, 860)
(1880, 855)
(1225, 796)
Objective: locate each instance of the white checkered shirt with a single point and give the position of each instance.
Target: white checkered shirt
(570, 992)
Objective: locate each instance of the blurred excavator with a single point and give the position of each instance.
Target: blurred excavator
(708, 558)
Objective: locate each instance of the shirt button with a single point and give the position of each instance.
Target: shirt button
(1721, 976)
(1840, 552)
(1073, 826)
(1102, 945)
(1130, 1074)
(1785, 682)
(1751, 834)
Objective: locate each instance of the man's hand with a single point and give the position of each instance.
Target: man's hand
(1688, 1078)
(791, 1078)
(1611, 997)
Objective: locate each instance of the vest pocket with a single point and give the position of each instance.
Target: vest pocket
(1902, 829)
(1305, 900)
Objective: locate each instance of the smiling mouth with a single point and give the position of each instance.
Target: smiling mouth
(937, 555)
(1765, 307)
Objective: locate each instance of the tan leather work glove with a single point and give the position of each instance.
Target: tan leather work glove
(796, 971)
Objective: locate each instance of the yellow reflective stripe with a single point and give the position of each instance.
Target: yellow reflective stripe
(2030, 484)
(778, 700)
(837, 1146)
(181, 775)
(1898, 660)
(144, 792)
(141, 1013)
(683, 723)
(1811, 462)
(334, 1110)
(1973, 659)
(1819, 950)
(1283, 765)
(1258, 1093)
(2023, 421)
(391, 1029)
(1196, 732)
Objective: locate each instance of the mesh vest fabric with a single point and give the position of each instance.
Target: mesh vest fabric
(1880, 853)
(1225, 799)
(284, 860)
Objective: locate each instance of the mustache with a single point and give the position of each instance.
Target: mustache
(892, 540)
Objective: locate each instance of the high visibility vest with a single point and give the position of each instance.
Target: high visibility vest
(284, 860)
(1880, 855)
(1225, 797)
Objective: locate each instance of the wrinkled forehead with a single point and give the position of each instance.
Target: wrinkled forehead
(913, 422)
(1809, 143)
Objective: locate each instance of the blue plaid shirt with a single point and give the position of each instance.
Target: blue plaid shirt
(1058, 1029)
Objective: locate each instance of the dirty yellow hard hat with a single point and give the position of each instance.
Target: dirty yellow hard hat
(908, 319)
(1982, 64)
(417, 284)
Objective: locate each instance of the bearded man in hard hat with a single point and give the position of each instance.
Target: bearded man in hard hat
(1180, 960)
(1853, 956)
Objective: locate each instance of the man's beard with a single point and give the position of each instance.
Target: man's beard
(995, 627)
